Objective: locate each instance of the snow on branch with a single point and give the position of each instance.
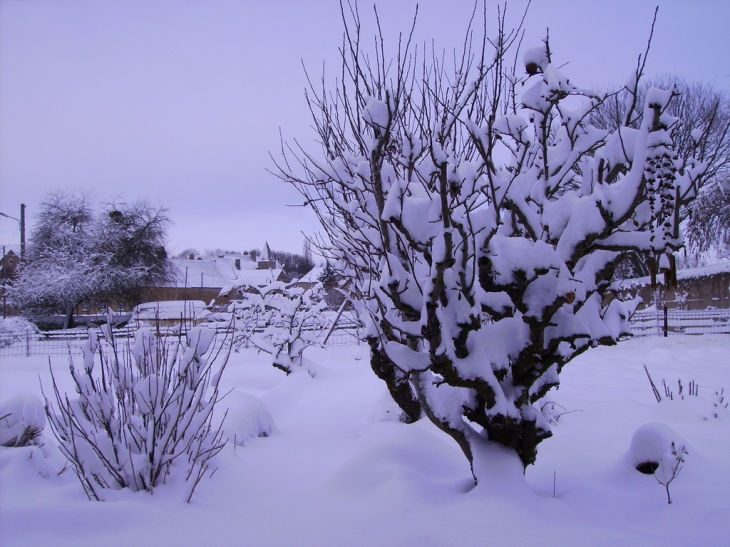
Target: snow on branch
(481, 216)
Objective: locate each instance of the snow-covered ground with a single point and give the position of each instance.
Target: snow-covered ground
(339, 470)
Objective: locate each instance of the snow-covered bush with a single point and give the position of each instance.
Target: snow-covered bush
(140, 413)
(22, 420)
(656, 449)
(649, 443)
(481, 217)
(281, 321)
(13, 329)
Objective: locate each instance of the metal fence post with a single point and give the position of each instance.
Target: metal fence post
(666, 322)
(27, 343)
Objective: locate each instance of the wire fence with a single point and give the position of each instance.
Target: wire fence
(649, 322)
(663, 322)
(70, 342)
(55, 342)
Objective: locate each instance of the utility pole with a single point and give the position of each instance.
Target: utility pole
(20, 221)
(22, 232)
(5, 279)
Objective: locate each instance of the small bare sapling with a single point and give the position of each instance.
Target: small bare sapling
(552, 411)
(670, 467)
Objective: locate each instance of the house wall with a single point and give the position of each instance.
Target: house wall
(206, 294)
(159, 294)
(692, 293)
(9, 263)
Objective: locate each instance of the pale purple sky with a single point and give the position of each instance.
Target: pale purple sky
(180, 102)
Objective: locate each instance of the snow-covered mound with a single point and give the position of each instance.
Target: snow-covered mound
(247, 418)
(22, 419)
(652, 442)
(340, 470)
(15, 328)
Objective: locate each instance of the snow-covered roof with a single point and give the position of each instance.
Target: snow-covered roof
(171, 309)
(222, 272)
(259, 277)
(208, 272)
(256, 278)
(14, 248)
(266, 253)
(312, 276)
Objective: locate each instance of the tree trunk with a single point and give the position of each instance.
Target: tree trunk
(522, 436)
(69, 319)
(397, 382)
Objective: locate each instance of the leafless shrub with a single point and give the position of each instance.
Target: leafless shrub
(147, 412)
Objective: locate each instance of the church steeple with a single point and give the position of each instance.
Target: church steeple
(266, 261)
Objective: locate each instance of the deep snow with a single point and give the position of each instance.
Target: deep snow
(339, 470)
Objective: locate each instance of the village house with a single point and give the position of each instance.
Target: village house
(335, 287)
(308, 280)
(208, 279)
(9, 264)
(211, 279)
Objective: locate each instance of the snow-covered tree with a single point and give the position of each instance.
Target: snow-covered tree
(703, 134)
(75, 255)
(281, 321)
(130, 240)
(708, 225)
(54, 278)
(329, 275)
(481, 215)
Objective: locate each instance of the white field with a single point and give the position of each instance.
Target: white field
(340, 471)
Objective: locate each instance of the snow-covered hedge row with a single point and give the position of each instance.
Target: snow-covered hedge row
(13, 329)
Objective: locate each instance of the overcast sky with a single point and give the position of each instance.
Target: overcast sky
(180, 102)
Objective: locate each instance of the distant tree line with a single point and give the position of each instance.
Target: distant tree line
(294, 265)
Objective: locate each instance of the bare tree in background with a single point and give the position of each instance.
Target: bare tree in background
(76, 255)
(703, 134)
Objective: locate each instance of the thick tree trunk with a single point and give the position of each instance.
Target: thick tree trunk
(522, 436)
(397, 382)
(69, 319)
(460, 435)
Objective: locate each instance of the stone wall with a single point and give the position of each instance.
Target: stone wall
(698, 289)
